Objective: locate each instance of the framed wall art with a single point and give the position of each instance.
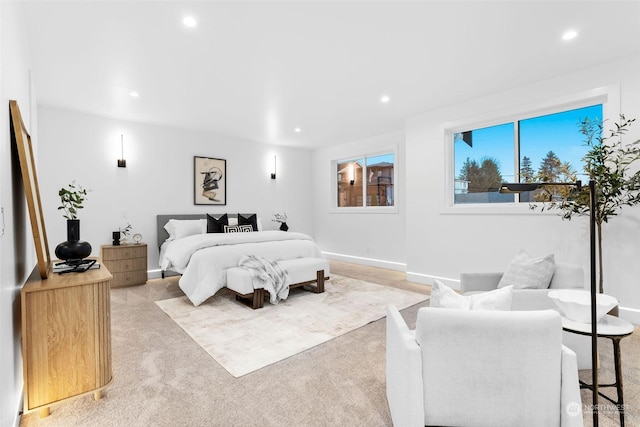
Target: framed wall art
(210, 181)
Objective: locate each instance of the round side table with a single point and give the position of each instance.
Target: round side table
(615, 329)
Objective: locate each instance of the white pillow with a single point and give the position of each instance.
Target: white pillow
(526, 272)
(179, 228)
(443, 296)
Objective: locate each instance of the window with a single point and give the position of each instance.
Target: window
(366, 181)
(545, 148)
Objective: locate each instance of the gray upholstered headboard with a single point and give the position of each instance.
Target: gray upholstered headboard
(163, 219)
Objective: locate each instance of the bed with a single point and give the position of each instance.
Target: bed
(203, 258)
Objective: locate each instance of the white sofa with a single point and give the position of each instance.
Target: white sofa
(481, 368)
(565, 276)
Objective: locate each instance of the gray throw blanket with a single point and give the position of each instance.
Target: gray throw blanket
(267, 275)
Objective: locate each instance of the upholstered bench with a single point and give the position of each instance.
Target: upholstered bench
(301, 271)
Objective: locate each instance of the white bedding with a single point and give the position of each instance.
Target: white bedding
(203, 259)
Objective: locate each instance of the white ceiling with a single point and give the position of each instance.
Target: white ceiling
(257, 70)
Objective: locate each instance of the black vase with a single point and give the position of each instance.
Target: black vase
(73, 249)
(284, 226)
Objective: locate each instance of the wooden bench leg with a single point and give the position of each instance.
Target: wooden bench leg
(319, 281)
(258, 298)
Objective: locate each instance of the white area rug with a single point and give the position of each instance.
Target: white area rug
(243, 340)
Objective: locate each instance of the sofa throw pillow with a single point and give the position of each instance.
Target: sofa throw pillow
(248, 219)
(443, 296)
(216, 225)
(526, 272)
(496, 300)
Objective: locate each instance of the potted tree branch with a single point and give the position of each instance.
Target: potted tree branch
(608, 162)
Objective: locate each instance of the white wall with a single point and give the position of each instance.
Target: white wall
(17, 256)
(367, 238)
(443, 244)
(158, 178)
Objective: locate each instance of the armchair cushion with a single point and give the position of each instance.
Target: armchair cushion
(526, 272)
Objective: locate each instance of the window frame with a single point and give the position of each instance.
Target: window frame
(608, 96)
(364, 155)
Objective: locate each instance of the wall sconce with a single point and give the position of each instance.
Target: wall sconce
(352, 174)
(273, 174)
(122, 163)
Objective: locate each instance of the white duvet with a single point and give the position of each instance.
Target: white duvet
(203, 259)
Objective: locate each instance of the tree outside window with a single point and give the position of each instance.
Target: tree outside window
(545, 148)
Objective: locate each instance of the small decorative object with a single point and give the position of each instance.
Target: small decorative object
(210, 183)
(137, 238)
(116, 238)
(282, 219)
(576, 304)
(73, 250)
(124, 232)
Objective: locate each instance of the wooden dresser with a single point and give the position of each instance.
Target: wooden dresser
(66, 337)
(127, 263)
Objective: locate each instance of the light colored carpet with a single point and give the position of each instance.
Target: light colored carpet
(243, 340)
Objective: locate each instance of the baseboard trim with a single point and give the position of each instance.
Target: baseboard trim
(17, 419)
(427, 279)
(371, 262)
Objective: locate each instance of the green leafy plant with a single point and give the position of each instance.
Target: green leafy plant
(609, 163)
(71, 199)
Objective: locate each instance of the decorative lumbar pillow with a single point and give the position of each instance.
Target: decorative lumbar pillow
(526, 272)
(238, 229)
(248, 219)
(216, 225)
(443, 296)
(179, 228)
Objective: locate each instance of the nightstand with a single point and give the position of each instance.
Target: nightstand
(127, 263)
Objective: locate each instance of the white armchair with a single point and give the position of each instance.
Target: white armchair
(481, 368)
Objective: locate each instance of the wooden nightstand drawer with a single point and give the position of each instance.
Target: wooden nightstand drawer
(110, 253)
(129, 278)
(122, 265)
(127, 263)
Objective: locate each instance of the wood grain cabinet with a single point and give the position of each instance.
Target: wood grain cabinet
(66, 337)
(127, 263)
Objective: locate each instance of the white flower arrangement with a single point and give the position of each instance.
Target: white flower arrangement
(281, 218)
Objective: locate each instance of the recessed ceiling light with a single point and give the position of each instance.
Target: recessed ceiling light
(189, 21)
(134, 94)
(298, 130)
(384, 99)
(569, 35)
